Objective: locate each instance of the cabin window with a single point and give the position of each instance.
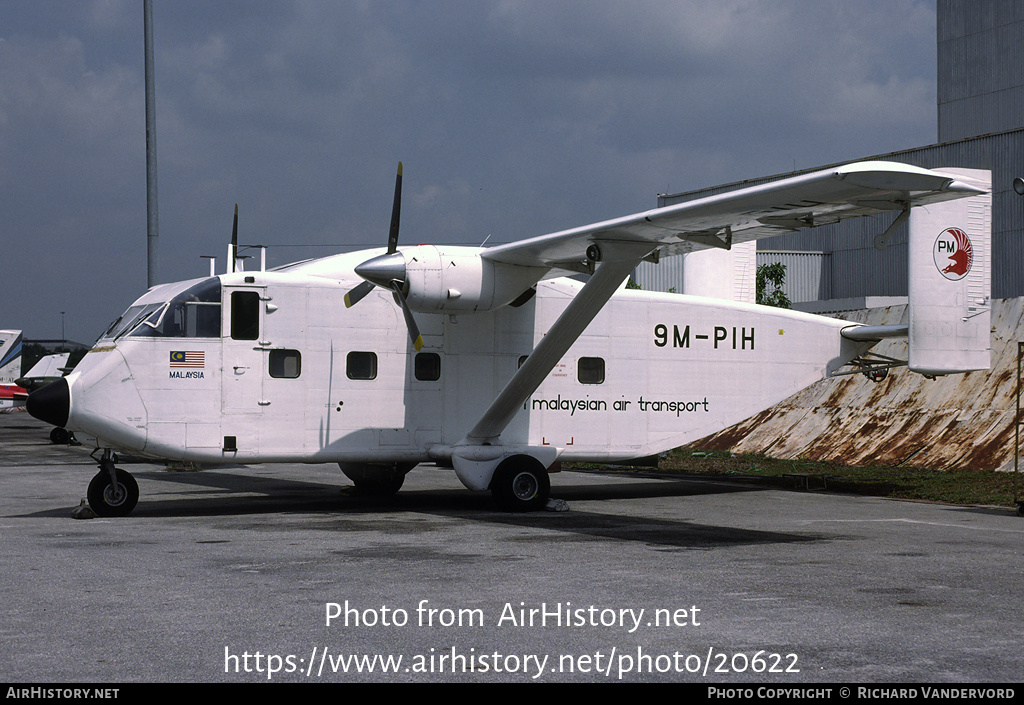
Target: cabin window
(590, 370)
(286, 364)
(361, 365)
(245, 315)
(194, 313)
(427, 367)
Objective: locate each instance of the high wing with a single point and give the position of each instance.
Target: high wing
(611, 249)
(822, 197)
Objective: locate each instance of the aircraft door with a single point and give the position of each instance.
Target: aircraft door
(244, 362)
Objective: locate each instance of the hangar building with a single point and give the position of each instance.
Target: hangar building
(980, 99)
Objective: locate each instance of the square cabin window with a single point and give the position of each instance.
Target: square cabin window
(427, 367)
(590, 370)
(361, 365)
(286, 364)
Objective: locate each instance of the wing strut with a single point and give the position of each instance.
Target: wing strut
(618, 259)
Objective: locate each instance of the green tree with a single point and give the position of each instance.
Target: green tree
(770, 278)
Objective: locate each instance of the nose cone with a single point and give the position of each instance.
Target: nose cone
(51, 404)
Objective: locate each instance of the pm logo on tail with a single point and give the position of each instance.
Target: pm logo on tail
(953, 253)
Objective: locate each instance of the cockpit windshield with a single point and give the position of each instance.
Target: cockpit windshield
(130, 318)
(193, 313)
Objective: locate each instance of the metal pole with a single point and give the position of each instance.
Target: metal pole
(152, 227)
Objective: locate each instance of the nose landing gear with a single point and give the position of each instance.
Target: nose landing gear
(113, 492)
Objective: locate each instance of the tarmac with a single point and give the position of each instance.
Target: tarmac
(280, 573)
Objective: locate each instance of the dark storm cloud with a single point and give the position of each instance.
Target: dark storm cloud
(512, 118)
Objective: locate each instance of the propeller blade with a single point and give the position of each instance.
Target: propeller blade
(356, 295)
(396, 212)
(410, 322)
(234, 240)
(380, 270)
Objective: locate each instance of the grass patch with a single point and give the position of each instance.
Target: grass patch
(976, 487)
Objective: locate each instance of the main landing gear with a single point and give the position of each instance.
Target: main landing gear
(520, 484)
(113, 492)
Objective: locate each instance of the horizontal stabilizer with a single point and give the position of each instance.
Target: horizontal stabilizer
(870, 333)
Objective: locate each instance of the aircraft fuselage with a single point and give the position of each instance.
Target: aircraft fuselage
(271, 367)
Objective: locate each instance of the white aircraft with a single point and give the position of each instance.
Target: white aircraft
(10, 368)
(502, 366)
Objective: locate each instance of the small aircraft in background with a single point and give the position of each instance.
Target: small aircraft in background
(495, 362)
(10, 368)
(14, 389)
(48, 369)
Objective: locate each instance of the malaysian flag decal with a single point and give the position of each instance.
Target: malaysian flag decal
(188, 358)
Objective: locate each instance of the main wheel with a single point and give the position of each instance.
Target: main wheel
(520, 484)
(110, 501)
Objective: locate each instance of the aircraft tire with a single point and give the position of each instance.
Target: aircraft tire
(59, 436)
(520, 484)
(108, 503)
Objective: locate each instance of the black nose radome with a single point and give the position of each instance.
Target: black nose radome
(51, 404)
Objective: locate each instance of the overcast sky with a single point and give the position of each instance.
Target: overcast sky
(512, 118)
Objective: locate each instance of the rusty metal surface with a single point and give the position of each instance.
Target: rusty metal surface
(957, 421)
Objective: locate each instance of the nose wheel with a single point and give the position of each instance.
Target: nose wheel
(113, 492)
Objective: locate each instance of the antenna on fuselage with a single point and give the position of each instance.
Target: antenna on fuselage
(233, 248)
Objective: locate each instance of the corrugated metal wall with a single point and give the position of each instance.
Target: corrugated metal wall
(808, 274)
(667, 275)
(980, 67)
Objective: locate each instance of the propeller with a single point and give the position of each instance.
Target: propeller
(388, 270)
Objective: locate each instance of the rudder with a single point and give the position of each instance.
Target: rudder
(10, 356)
(950, 282)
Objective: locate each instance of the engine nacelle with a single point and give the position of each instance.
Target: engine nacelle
(458, 279)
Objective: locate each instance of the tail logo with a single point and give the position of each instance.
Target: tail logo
(953, 254)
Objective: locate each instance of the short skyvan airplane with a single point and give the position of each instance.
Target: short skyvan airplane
(493, 362)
